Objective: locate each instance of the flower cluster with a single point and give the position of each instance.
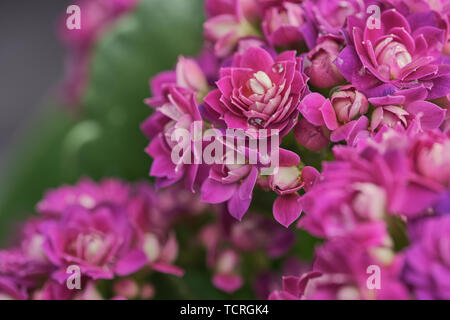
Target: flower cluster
(364, 203)
(372, 76)
(106, 230)
(336, 109)
(118, 233)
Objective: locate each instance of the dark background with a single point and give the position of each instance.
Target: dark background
(31, 63)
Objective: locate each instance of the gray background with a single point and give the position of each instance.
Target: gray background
(31, 63)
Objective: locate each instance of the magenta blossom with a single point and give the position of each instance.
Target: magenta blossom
(85, 194)
(330, 16)
(314, 138)
(232, 184)
(259, 92)
(286, 181)
(230, 21)
(180, 111)
(346, 276)
(99, 241)
(288, 25)
(404, 52)
(320, 63)
(345, 105)
(427, 268)
(404, 106)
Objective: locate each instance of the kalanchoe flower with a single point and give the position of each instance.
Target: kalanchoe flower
(259, 92)
(427, 265)
(330, 16)
(431, 156)
(293, 287)
(232, 184)
(287, 25)
(345, 276)
(320, 62)
(227, 239)
(99, 241)
(403, 53)
(358, 190)
(314, 138)
(286, 181)
(188, 74)
(348, 103)
(180, 112)
(85, 194)
(230, 21)
(404, 106)
(320, 112)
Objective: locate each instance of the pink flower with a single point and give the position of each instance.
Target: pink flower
(404, 106)
(320, 112)
(287, 25)
(345, 276)
(230, 21)
(99, 241)
(259, 92)
(286, 181)
(85, 194)
(403, 53)
(232, 184)
(427, 267)
(431, 156)
(331, 15)
(314, 138)
(179, 111)
(348, 103)
(320, 63)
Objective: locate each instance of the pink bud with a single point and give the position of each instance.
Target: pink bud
(282, 24)
(348, 103)
(311, 137)
(285, 180)
(126, 288)
(189, 75)
(322, 71)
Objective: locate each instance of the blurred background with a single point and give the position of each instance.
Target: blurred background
(44, 142)
(31, 63)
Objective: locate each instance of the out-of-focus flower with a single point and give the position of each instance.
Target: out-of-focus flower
(259, 92)
(331, 16)
(229, 21)
(338, 275)
(314, 138)
(287, 25)
(404, 52)
(99, 241)
(97, 17)
(427, 266)
(404, 106)
(320, 62)
(345, 276)
(85, 194)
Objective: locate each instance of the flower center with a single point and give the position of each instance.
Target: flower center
(394, 55)
(260, 83)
